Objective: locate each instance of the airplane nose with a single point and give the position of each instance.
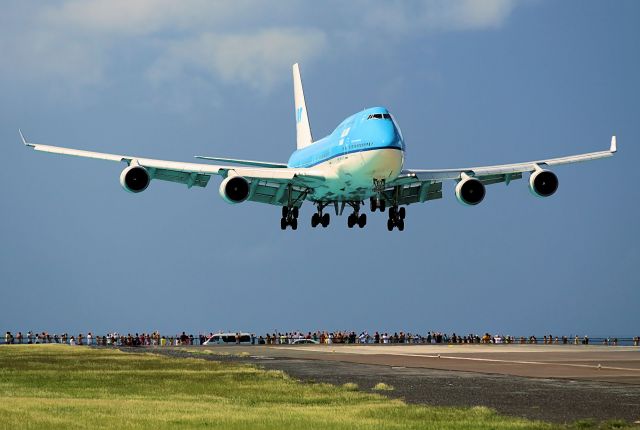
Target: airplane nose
(388, 133)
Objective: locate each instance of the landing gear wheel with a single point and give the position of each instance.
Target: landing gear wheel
(374, 204)
(402, 213)
(283, 224)
(393, 211)
(285, 211)
(382, 205)
(389, 224)
(400, 224)
(315, 220)
(351, 221)
(362, 220)
(294, 224)
(325, 220)
(295, 212)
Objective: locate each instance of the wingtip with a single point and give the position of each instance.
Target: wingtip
(614, 145)
(24, 141)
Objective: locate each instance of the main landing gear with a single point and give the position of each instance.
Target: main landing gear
(396, 218)
(356, 218)
(289, 217)
(319, 218)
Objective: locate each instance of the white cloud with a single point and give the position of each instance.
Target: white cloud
(257, 59)
(400, 17)
(79, 43)
(143, 17)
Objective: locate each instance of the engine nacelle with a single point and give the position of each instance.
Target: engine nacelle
(135, 179)
(470, 191)
(234, 189)
(543, 183)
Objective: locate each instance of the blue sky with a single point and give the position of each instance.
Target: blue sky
(470, 83)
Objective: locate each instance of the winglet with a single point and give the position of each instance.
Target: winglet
(614, 145)
(24, 141)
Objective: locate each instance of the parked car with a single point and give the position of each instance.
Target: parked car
(228, 339)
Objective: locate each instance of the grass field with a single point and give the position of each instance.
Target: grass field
(57, 386)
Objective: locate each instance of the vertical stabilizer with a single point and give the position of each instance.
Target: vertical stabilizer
(303, 131)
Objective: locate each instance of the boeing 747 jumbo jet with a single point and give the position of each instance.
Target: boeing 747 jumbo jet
(363, 159)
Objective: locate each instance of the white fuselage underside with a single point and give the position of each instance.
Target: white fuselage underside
(350, 177)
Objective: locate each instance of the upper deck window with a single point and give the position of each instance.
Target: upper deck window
(379, 116)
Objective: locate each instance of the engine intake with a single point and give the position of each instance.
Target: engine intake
(234, 189)
(543, 183)
(135, 179)
(470, 191)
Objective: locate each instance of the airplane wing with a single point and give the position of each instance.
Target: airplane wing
(266, 185)
(417, 186)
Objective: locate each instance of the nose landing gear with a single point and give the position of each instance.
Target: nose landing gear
(377, 203)
(396, 218)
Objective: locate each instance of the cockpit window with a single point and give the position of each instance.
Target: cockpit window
(379, 116)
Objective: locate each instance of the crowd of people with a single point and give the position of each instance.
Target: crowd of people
(323, 337)
(320, 337)
(111, 339)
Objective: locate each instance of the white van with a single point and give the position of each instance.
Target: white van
(228, 339)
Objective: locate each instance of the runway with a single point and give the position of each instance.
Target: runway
(560, 383)
(580, 362)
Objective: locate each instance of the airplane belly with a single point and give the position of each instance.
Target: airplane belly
(350, 177)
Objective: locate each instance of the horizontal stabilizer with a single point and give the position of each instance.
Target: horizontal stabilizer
(245, 162)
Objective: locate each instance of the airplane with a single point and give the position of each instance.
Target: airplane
(362, 159)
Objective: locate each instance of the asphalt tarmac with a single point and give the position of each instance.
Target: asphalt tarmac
(558, 383)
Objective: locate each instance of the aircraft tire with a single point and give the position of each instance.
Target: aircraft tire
(374, 204)
(285, 211)
(401, 213)
(283, 224)
(325, 220)
(382, 205)
(315, 220)
(362, 221)
(295, 212)
(392, 212)
(401, 224)
(390, 224)
(350, 221)
(294, 224)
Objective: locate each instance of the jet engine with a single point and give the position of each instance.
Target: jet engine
(135, 179)
(234, 189)
(470, 191)
(543, 183)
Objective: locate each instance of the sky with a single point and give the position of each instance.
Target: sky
(470, 83)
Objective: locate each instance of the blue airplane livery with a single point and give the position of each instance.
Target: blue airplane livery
(362, 160)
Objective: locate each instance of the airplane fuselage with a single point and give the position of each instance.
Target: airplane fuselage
(365, 147)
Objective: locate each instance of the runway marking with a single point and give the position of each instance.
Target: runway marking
(523, 362)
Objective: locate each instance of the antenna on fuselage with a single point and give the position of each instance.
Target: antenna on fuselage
(303, 130)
